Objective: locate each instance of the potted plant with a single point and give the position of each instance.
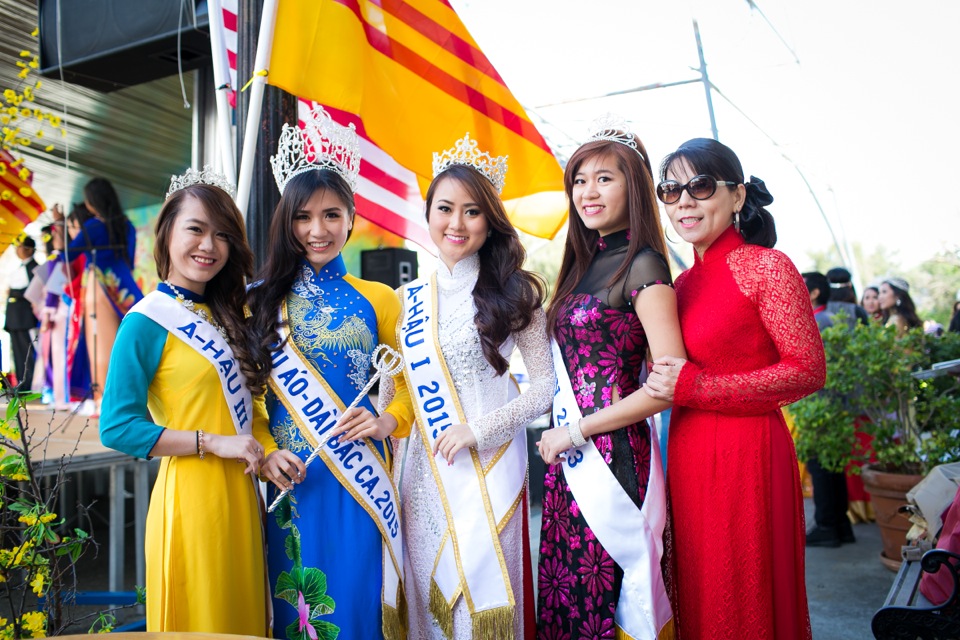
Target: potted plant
(914, 421)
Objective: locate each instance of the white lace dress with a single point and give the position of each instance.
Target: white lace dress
(494, 421)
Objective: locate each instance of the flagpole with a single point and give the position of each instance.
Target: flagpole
(221, 78)
(259, 80)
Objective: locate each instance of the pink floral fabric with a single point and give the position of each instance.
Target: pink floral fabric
(579, 583)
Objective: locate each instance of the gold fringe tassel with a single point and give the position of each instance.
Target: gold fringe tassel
(441, 611)
(395, 620)
(493, 623)
(667, 633)
(393, 627)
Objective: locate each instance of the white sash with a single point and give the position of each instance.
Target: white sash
(203, 337)
(315, 409)
(478, 502)
(633, 537)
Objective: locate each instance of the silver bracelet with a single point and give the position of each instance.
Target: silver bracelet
(576, 434)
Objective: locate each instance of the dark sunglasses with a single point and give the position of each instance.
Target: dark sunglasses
(700, 188)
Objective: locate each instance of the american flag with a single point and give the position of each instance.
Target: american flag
(387, 194)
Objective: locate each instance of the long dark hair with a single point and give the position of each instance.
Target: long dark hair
(505, 295)
(284, 252)
(225, 292)
(904, 307)
(708, 157)
(102, 198)
(642, 214)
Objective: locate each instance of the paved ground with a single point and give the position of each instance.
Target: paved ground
(845, 586)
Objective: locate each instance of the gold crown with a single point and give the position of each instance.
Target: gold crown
(322, 144)
(465, 152)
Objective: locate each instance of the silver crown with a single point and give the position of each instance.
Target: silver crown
(613, 128)
(465, 152)
(207, 175)
(321, 144)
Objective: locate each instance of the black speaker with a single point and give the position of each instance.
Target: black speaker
(112, 44)
(393, 267)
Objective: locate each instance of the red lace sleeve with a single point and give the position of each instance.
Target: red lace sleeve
(770, 280)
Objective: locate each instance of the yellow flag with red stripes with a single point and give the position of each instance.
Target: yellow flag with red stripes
(19, 203)
(416, 78)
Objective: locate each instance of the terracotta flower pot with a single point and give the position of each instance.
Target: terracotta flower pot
(888, 492)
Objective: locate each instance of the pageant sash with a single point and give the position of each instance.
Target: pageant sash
(203, 337)
(477, 501)
(315, 409)
(633, 537)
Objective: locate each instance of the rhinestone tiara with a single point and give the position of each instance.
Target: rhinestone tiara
(613, 128)
(321, 144)
(207, 175)
(465, 152)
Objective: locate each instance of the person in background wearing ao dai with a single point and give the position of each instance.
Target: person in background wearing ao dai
(753, 346)
(179, 388)
(109, 240)
(604, 507)
(314, 328)
(467, 318)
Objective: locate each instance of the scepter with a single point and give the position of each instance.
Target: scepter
(385, 361)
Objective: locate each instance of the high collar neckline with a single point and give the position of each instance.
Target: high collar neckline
(729, 240)
(186, 293)
(469, 267)
(333, 270)
(614, 240)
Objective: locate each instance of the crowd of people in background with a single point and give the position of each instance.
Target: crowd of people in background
(63, 315)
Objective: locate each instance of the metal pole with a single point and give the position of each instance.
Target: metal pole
(264, 45)
(706, 80)
(277, 107)
(221, 79)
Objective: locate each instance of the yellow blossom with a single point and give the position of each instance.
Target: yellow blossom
(6, 194)
(24, 173)
(19, 552)
(17, 476)
(34, 64)
(25, 112)
(38, 85)
(39, 582)
(48, 148)
(36, 623)
(40, 133)
(9, 94)
(48, 517)
(28, 519)
(25, 54)
(26, 192)
(23, 73)
(35, 32)
(28, 93)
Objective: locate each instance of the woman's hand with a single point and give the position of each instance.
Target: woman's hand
(662, 380)
(452, 440)
(552, 443)
(284, 469)
(360, 423)
(243, 449)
